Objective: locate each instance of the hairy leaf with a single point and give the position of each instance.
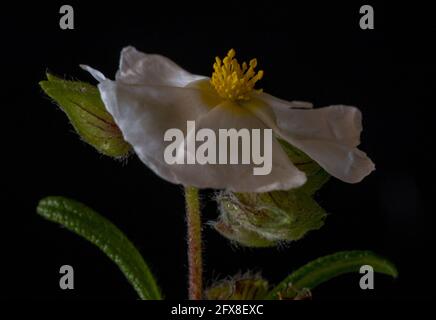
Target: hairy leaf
(325, 268)
(87, 223)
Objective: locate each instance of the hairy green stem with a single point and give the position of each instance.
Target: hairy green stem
(193, 220)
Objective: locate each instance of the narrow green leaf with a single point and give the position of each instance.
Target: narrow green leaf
(87, 223)
(325, 268)
(84, 108)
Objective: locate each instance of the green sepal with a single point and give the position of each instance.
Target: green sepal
(83, 106)
(241, 287)
(316, 176)
(235, 232)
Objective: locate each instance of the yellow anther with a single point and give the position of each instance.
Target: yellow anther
(232, 81)
(231, 53)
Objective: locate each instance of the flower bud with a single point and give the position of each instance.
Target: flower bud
(84, 108)
(267, 219)
(241, 287)
(234, 231)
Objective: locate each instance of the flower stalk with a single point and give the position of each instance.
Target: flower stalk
(195, 261)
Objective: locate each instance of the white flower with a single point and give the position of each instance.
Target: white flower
(152, 94)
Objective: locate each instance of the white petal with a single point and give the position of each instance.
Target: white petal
(152, 69)
(144, 113)
(329, 136)
(279, 103)
(95, 73)
(283, 176)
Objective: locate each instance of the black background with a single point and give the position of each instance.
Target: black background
(309, 52)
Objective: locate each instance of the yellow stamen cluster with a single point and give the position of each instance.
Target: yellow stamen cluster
(232, 81)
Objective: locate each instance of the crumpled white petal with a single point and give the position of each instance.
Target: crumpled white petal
(329, 136)
(152, 69)
(284, 174)
(144, 113)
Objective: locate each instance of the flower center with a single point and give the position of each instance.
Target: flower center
(232, 81)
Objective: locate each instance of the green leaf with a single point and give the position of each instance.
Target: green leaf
(84, 108)
(328, 267)
(87, 223)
